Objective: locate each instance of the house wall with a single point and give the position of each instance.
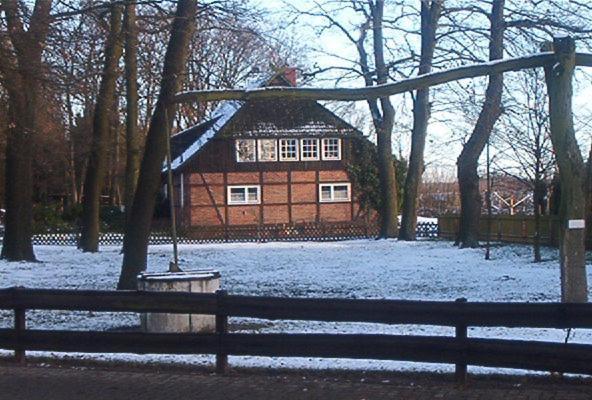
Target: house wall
(289, 189)
(286, 197)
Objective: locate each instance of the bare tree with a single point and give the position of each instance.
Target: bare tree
(589, 195)
(525, 24)
(75, 75)
(373, 68)
(104, 109)
(572, 171)
(22, 69)
(468, 161)
(383, 115)
(133, 139)
(525, 143)
(135, 245)
(430, 14)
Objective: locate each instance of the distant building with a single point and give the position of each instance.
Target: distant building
(509, 195)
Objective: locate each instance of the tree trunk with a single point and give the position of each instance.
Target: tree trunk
(572, 172)
(97, 163)
(71, 176)
(430, 15)
(589, 196)
(388, 183)
(389, 226)
(21, 70)
(115, 157)
(468, 161)
(540, 188)
(132, 166)
(135, 245)
(18, 244)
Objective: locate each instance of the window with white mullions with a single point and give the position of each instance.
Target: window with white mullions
(309, 149)
(334, 192)
(288, 149)
(244, 195)
(331, 149)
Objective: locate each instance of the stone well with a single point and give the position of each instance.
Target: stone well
(199, 281)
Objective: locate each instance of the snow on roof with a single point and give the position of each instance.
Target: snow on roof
(223, 113)
(314, 128)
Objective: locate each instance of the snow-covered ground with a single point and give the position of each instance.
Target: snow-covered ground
(424, 270)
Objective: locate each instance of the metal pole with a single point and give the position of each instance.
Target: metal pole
(488, 245)
(173, 265)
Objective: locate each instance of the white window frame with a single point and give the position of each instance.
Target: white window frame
(237, 152)
(324, 145)
(245, 188)
(332, 186)
(318, 156)
(275, 155)
(281, 157)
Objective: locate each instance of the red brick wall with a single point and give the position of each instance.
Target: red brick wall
(206, 196)
(333, 176)
(243, 215)
(335, 212)
(304, 192)
(287, 197)
(209, 178)
(303, 176)
(206, 216)
(274, 194)
(275, 177)
(304, 213)
(276, 214)
(241, 178)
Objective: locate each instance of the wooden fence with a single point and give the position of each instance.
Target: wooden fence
(458, 349)
(248, 233)
(508, 228)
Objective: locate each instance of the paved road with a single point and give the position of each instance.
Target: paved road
(90, 383)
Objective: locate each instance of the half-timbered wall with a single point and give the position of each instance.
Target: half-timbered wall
(289, 191)
(286, 197)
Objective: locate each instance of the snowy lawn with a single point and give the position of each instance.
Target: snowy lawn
(424, 270)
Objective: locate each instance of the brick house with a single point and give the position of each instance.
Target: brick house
(268, 170)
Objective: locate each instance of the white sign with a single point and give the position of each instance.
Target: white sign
(576, 224)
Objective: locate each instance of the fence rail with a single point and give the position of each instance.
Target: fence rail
(509, 228)
(283, 232)
(458, 349)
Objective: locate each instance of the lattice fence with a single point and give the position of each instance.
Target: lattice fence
(265, 233)
(427, 230)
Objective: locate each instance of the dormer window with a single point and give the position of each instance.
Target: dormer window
(270, 150)
(246, 150)
(288, 149)
(331, 149)
(309, 149)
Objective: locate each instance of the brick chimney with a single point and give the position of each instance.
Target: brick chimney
(291, 75)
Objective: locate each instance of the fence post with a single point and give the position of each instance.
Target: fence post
(20, 324)
(221, 330)
(460, 370)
